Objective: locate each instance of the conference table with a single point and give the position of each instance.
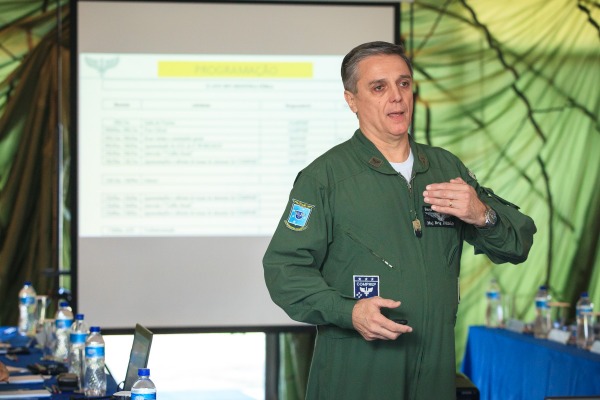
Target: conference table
(506, 365)
(30, 356)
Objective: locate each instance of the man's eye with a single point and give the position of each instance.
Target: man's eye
(378, 88)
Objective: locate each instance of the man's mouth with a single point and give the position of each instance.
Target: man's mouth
(396, 114)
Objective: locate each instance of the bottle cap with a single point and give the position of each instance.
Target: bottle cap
(143, 372)
(584, 294)
(79, 317)
(94, 329)
(27, 283)
(63, 303)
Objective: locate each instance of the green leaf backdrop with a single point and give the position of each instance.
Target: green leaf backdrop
(513, 88)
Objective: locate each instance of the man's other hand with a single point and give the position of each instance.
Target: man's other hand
(372, 324)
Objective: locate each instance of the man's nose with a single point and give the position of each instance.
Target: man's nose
(396, 94)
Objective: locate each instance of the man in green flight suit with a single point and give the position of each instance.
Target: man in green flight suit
(369, 246)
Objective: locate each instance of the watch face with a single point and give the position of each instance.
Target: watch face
(490, 217)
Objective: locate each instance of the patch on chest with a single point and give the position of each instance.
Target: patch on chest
(437, 220)
(365, 286)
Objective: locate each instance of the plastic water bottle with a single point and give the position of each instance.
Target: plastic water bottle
(585, 322)
(494, 317)
(143, 388)
(94, 381)
(77, 338)
(27, 305)
(63, 321)
(543, 320)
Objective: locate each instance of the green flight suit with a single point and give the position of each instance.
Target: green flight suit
(349, 223)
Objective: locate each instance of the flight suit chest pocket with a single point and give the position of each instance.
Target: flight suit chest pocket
(443, 235)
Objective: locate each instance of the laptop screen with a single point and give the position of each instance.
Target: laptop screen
(138, 358)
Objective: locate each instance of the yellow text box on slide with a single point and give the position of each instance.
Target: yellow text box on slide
(226, 69)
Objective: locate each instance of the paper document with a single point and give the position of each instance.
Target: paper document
(24, 394)
(25, 379)
(16, 370)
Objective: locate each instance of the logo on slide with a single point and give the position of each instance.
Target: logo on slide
(102, 65)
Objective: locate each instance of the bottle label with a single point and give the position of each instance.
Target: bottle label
(77, 337)
(94, 351)
(493, 295)
(27, 301)
(63, 323)
(584, 310)
(143, 396)
(541, 303)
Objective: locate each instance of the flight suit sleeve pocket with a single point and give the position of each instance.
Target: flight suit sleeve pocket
(490, 193)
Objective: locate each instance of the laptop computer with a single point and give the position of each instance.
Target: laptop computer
(138, 357)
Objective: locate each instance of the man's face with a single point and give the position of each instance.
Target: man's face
(384, 99)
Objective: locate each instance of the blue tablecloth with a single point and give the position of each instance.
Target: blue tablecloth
(10, 335)
(509, 366)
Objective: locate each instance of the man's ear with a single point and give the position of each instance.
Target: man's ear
(349, 96)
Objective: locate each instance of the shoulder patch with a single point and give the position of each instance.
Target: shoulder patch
(299, 214)
(471, 174)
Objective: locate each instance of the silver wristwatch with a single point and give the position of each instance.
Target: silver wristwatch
(491, 218)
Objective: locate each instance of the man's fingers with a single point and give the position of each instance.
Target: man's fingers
(386, 303)
(388, 330)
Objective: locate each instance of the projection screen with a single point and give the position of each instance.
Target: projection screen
(192, 120)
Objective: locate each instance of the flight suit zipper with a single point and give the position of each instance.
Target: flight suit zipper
(416, 223)
(417, 229)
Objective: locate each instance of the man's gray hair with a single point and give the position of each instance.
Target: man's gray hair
(359, 53)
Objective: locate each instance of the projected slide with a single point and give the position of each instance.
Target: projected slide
(182, 145)
(201, 145)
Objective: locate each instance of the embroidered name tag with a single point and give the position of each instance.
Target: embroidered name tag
(299, 214)
(366, 286)
(436, 219)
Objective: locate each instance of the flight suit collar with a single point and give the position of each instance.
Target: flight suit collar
(377, 162)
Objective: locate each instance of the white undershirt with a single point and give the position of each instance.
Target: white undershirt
(405, 168)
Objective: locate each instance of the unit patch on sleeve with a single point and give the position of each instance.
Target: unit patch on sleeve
(437, 219)
(366, 286)
(299, 213)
